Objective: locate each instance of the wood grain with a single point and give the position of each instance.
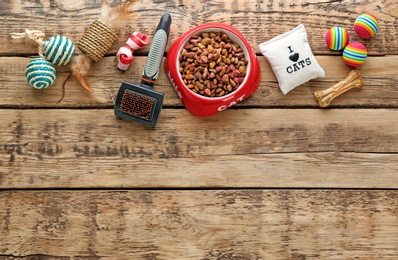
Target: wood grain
(211, 224)
(257, 20)
(236, 148)
(274, 177)
(379, 73)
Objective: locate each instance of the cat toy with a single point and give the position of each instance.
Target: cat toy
(56, 51)
(97, 40)
(125, 55)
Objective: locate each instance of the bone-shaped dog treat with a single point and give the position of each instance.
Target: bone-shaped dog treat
(353, 80)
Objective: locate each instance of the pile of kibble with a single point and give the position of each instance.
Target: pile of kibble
(212, 65)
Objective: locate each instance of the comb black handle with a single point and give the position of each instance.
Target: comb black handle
(156, 51)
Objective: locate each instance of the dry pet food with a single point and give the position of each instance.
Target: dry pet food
(212, 65)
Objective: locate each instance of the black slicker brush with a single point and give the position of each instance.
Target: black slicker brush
(141, 103)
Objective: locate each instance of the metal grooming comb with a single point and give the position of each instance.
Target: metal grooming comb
(141, 103)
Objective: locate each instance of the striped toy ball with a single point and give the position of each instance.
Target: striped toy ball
(59, 50)
(366, 25)
(337, 38)
(355, 54)
(40, 73)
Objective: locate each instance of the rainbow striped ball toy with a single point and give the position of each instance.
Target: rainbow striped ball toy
(366, 25)
(59, 50)
(337, 38)
(40, 73)
(355, 54)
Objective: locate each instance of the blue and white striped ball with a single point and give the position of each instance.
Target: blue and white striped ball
(40, 73)
(59, 50)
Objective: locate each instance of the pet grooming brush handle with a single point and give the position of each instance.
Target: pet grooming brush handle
(156, 52)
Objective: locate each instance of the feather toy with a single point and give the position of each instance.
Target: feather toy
(97, 40)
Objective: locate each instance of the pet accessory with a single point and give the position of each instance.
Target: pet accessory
(125, 55)
(200, 105)
(97, 40)
(140, 103)
(57, 50)
(366, 25)
(355, 54)
(291, 59)
(325, 97)
(337, 38)
(40, 73)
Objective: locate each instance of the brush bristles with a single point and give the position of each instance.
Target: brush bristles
(137, 104)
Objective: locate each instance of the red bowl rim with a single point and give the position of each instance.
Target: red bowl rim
(215, 26)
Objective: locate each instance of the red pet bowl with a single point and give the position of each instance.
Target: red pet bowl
(206, 106)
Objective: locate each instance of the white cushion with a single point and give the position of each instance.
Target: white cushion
(291, 59)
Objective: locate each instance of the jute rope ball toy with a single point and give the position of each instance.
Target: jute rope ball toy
(40, 73)
(57, 50)
(97, 40)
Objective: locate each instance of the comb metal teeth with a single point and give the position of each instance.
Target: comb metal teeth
(138, 103)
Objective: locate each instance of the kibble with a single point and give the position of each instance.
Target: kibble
(212, 65)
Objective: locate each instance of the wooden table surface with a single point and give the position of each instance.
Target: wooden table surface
(275, 177)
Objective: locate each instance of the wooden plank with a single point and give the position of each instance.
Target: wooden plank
(379, 73)
(79, 145)
(257, 20)
(211, 224)
(304, 148)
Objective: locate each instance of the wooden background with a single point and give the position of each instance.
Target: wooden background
(274, 177)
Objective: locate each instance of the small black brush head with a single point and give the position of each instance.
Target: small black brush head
(138, 103)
